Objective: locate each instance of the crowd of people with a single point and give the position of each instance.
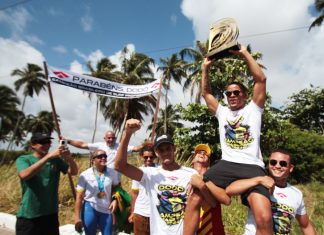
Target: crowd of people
(168, 198)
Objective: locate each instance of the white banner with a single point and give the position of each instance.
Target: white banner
(100, 86)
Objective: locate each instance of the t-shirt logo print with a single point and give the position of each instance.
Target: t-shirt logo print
(171, 203)
(237, 135)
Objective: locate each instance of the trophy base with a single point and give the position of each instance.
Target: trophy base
(223, 51)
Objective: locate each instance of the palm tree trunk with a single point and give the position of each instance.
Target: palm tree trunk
(96, 120)
(156, 112)
(123, 125)
(166, 105)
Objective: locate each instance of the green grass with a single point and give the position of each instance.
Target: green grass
(233, 215)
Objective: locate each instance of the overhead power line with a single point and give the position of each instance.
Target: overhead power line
(245, 36)
(184, 46)
(14, 4)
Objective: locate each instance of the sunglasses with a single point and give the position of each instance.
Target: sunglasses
(148, 157)
(235, 93)
(101, 156)
(42, 142)
(281, 163)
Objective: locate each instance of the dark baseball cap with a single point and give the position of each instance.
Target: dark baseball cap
(165, 138)
(36, 137)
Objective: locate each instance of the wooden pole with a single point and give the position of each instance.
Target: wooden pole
(57, 126)
(156, 110)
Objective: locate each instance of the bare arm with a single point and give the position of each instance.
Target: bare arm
(240, 186)
(77, 211)
(218, 193)
(259, 89)
(305, 225)
(32, 170)
(197, 182)
(78, 144)
(137, 148)
(206, 92)
(134, 195)
(121, 164)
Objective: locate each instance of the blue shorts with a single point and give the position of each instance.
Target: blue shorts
(92, 218)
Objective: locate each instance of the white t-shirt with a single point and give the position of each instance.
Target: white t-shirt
(286, 203)
(141, 207)
(89, 184)
(240, 134)
(167, 191)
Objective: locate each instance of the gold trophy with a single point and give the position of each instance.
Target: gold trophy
(223, 36)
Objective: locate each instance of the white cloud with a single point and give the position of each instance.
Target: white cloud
(60, 49)
(16, 20)
(95, 57)
(87, 21)
(16, 54)
(117, 57)
(33, 39)
(173, 19)
(76, 67)
(293, 58)
(54, 12)
(80, 54)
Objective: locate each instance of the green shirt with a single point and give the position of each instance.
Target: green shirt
(40, 193)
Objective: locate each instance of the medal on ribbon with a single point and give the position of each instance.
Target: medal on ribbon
(100, 180)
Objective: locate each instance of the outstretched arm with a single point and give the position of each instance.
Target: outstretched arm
(121, 164)
(240, 186)
(259, 89)
(206, 92)
(77, 143)
(305, 225)
(33, 169)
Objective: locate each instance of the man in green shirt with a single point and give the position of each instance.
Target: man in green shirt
(39, 175)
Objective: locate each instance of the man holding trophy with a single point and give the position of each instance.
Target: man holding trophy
(239, 130)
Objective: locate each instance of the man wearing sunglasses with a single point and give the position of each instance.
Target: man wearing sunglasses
(239, 132)
(140, 208)
(287, 201)
(39, 174)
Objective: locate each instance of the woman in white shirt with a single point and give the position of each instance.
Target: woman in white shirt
(94, 203)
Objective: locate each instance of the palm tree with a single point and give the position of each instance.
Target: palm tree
(319, 5)
(103, 70)
(135, 70)
(196, 57)
(43, 122)
(172, 68)
(172, 121)
(9, 112)
(9, 116)
(31, 78)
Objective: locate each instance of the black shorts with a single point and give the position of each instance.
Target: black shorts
(43, 225)
(223, 173)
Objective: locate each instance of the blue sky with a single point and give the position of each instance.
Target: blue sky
(69, 33)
